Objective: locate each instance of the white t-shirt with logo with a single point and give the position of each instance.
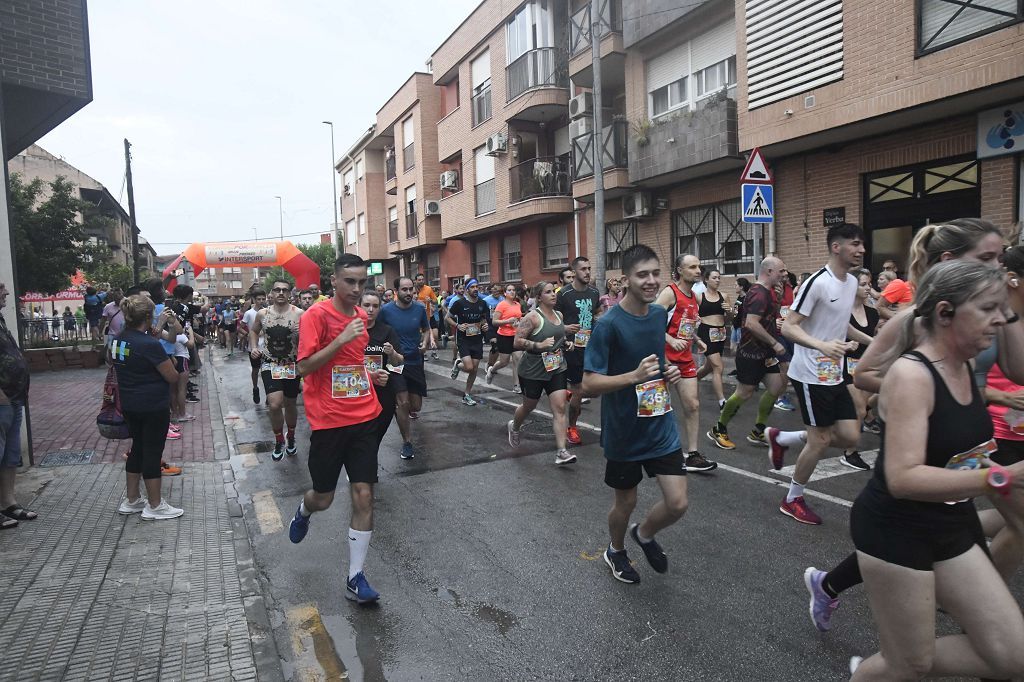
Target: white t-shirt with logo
(826, 304)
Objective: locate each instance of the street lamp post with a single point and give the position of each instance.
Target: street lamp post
(334, 192)
(280, 215)
(256, 270)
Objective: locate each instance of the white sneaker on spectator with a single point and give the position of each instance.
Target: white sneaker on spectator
(132, 507)
(161, 512)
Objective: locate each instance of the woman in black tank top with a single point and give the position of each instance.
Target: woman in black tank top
(915, 526)
(712, 331)
(864, 319)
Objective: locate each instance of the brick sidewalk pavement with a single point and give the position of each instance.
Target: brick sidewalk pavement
(64, 406)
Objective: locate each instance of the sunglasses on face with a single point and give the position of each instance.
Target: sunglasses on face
(279, 290)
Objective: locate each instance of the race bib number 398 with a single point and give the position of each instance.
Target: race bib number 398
(349, 381)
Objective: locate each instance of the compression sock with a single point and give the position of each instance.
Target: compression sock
(732, 406)
(842, 577)
(788, 439)
(765, 407)
(795, 490)
(278, 436)
(358, 543)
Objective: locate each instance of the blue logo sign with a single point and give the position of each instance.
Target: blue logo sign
(758, 203)
(1001, 131)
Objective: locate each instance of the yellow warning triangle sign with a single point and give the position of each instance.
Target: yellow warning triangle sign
(756, 170)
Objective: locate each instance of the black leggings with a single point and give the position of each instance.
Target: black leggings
(149, 433)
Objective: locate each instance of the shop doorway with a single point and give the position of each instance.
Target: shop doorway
(899, 202)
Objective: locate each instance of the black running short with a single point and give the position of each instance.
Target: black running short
(353, 448)
(823, 405)
(412, 380)
(471, 347)
(229, 326)
(505, 346)
(290, 387)
(574, 371)
(533, 388)
(751, 371)
(714, 347)
(627, 475)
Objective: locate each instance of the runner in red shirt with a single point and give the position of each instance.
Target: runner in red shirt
(341, 405)
(680, 336)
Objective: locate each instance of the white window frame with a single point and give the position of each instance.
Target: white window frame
(362, 223)
(701, 90)
(350, 233)
(359, 169)
(672, 106)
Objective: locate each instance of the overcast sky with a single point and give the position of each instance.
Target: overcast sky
(223, 102)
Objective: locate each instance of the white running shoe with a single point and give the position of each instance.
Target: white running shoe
(132, 507)
(161, 512)
(564, 457)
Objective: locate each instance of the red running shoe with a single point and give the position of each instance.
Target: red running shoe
(572, 434)
(776, 452)
(799, 510)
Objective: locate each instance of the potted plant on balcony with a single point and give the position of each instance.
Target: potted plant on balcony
(641, 129)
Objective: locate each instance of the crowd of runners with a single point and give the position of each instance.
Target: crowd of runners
(937, 356)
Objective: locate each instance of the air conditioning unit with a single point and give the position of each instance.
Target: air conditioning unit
(580, 127)
(636, 205)
(450, 180)
(497, 144)
(431, 208)
(581, 105)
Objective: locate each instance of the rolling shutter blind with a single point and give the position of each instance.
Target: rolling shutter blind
(714, 46)
(668, 67)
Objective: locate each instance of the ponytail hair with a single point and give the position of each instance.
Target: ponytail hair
(956, 237)
(137, 309)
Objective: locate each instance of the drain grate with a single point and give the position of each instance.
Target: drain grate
(67, 457)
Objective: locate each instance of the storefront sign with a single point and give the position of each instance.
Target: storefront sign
(834, 216)
(1001, 131)
(375, 268)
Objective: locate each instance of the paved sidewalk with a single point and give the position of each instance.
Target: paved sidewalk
(89, 594)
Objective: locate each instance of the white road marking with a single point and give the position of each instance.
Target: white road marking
(830, 467)
(869, 456)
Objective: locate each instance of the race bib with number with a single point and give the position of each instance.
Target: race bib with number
(652, 399)
(716, 334)
(783, 314)
(851, 365)
(373, 362)
(472, 330)
(687, 328)
(582, 338)
(349, 381)
(282, 370)
(978, 457)
(552, 361)
(830, 370)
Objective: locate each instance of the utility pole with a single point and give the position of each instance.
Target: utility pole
(598, 145)
(334, 190)
(131, 209)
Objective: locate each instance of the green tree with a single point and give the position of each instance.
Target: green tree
(274, 274)
(322, 255)
(47, 234)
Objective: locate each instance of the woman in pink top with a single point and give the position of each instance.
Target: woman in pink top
(506, 317)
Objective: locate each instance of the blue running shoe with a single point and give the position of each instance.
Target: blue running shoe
(622, 569)
(407, 451)
(299, 526)
(358, 590)
(821, 606)
(785, 404)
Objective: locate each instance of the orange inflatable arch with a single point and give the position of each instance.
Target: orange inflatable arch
(203, 255)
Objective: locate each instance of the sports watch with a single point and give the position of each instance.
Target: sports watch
(999, 479)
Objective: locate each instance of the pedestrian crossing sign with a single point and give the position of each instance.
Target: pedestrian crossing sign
(758, 203)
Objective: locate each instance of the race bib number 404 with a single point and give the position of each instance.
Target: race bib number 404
(652, 399)
(349, 381)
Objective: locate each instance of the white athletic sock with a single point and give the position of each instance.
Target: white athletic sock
(302, 509)
(795, 490)
(358, 543)
(788, 439)
(642, 539)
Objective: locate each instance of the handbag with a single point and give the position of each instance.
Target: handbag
(110, 421)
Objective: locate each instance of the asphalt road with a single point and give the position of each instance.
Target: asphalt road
(488, 559)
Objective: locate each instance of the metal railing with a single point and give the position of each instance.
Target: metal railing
(392, 231)
(409, 156)
(42, 332)
(481, 105)
(616, 150)
(544, 66)
(486, 198)
(411, 226)
(546, 176)
(579, 25)
(390, 171)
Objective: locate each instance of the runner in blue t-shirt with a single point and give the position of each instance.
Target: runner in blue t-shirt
(625, 362)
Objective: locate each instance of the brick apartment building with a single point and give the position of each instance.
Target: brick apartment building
(887, 112)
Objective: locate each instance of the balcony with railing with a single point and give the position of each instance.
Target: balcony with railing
(393, 232)
(537, 68)
(411, 226)
(481, 105)
(616, 150)
(546, 176)
(390, 170)
(610, 21)
(486, 197)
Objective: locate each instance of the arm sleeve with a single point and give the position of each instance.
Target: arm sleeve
(309, 335)
(596, 358)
